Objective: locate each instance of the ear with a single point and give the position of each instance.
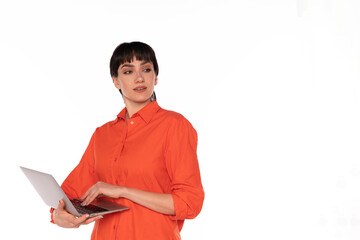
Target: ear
(156, 81)
(116, 82)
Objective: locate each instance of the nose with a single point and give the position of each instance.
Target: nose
(139, 77)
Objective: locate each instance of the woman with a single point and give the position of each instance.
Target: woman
(145, 159)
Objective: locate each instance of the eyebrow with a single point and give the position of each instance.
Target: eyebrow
(131, 65)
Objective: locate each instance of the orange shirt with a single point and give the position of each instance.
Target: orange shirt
(155, 151)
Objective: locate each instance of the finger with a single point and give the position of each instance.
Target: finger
(91, 197)
(88, 199)
(81, 219)
(61, 205)
(92, 219)
(89, 192)
(86, 194)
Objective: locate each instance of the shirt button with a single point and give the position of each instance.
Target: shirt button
(132, 122)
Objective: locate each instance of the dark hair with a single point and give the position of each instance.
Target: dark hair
(126, 52)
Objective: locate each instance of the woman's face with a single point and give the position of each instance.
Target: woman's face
(136, 80)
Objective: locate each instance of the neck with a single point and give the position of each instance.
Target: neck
(132, 108)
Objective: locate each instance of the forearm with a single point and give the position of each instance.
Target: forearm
(159, 202)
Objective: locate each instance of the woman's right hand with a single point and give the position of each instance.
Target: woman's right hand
(66, 220)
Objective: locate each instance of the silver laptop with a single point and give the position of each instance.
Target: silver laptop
(50, 191)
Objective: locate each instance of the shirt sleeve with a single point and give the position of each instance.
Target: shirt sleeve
(183, 168)
(82, 177)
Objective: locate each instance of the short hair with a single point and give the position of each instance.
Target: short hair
(126, 52)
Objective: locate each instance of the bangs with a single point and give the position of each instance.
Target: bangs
(129, 54)
(126, 52)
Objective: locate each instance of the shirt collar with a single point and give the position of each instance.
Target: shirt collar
(146, 113)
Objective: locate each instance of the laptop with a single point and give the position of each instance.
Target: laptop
(50, 191)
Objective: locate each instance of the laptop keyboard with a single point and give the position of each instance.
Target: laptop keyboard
(86, 209)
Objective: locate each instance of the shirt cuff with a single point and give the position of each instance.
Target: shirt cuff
(52, 215)
(180, 208)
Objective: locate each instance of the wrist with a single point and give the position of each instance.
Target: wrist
(123, 192)
(54, 217)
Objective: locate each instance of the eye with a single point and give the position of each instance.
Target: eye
(147, 70)
(127, 72)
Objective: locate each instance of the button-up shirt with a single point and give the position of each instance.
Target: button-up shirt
(155, 151)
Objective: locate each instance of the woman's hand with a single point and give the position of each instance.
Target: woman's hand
(66, 220)
(101, 189)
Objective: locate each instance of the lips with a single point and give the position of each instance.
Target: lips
(140, 89)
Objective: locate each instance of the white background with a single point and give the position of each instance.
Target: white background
(272, 87)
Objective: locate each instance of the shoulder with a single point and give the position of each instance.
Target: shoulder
(106, 128)
(173, 117)
(106, 125)
(176, 122)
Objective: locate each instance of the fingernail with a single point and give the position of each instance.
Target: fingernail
(100, 217)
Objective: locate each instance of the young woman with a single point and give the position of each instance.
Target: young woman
(145, 159)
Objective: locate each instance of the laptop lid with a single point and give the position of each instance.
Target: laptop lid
(51, 193)
(48, 189)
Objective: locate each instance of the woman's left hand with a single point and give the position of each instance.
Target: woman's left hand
(101, 189)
